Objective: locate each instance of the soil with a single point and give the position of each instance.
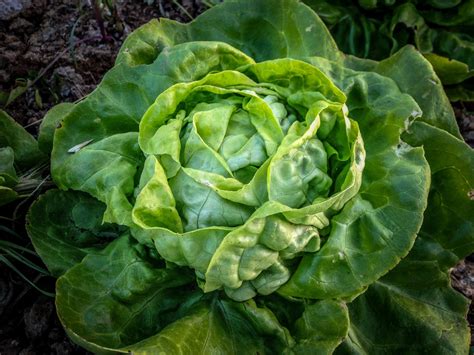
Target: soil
(464, 112)
(56, 51)
(57, 48)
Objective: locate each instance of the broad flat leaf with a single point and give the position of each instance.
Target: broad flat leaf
(262, 29)
(402, 315)
(449, 218)
(422, 312)
(219, 326)
(423, 85)
(50, 122)
(457, 46)
(322, 327)
(106, 170)
(66, 226)
(450, 71)
(123, 295)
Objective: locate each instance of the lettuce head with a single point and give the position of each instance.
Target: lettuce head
(238, 185)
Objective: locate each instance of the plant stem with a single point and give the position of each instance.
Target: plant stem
(99, 19)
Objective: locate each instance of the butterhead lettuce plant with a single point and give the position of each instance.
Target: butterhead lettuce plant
(239, 185)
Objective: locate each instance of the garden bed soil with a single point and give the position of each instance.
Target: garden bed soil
(57, 50)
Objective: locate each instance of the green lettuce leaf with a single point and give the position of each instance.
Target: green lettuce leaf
(51, 121)
(67, 226)
(423, 310)
(23, 144)
(8, 176)
(19, 154)
(262, 30)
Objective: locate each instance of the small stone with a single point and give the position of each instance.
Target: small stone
(30, 350)
(20, 24)
(63, 348)
(11, 8)
(37, 319)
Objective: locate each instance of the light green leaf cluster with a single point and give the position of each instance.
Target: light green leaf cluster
(238, 185)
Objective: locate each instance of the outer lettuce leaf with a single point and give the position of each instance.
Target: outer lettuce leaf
(8, 176)
(7, 195)
(67, 226)
(18, 153)
(449, 217)
(262, 30)
(51, 121)
(422, 310)
(121, 295)
(106, 170)
(396, 315)
(450, 71)
(423, 85)
(220, 326)
(321, 327)
(23, 144)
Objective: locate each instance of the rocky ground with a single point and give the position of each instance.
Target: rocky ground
(53, 51)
